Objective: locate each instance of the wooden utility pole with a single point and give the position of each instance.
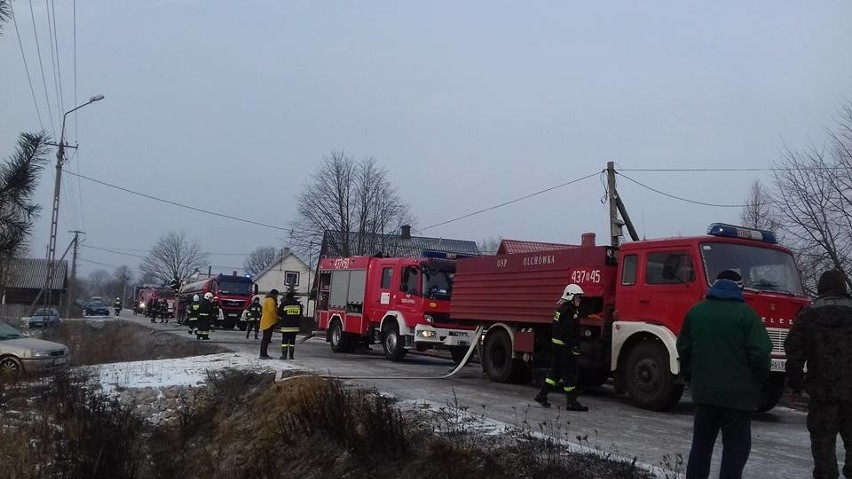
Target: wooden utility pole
(616, 206)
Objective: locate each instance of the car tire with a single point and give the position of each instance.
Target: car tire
(11, 367)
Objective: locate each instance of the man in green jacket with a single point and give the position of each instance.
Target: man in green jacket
(724, 354)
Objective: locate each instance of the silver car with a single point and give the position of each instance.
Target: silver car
(19, 355)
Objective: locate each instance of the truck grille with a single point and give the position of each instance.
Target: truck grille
(60, 352)
(777, 336)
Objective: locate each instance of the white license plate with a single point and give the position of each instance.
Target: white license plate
(60, 361)
(232, 315)
(778, 365)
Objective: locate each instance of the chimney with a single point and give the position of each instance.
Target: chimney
(406, 232)
(285, 252)
(587, 240)
(234, 273)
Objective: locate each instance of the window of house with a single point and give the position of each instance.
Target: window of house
(673, 267)
(387, 275)
(291, 277)
(628, 272)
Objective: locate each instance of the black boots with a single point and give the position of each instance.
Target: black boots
(541, 397)
(572, 404)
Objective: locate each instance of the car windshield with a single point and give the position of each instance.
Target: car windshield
(95, 304)
(762, 269)
(438, 280)
(45, 312)
(235, 288)
(8, 332)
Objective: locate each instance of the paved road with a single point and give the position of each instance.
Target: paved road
(780, 441)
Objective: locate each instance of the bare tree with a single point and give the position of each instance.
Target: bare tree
(98, 282)
(173, 256)
(489, 246)
(813, 193)
(260, 259)
(5, 13)
(352, 198)
(760, 211)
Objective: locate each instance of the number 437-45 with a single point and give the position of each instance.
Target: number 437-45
(586, 276)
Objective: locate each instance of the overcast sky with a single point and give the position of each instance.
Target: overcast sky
(230, 105)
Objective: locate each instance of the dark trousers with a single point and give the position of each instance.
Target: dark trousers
(192, 324)
(252, 325)
(564, 370)
(825, 420)
(288, 344)
(265, 340)
(203, 331)
(736, 441)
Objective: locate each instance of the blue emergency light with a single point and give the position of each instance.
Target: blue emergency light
(730, 231)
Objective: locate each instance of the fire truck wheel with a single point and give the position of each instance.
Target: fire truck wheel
(392, 342)
(340, 341)
(497, 361)
(771, 392)
(650, 383)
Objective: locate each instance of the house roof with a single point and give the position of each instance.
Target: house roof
(31, 273)
(516, 246)
(395, 245)
(285, 254)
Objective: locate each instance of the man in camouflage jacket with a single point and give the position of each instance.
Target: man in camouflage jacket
(822, 337)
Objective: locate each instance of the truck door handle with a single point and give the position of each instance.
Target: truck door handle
(645, 301)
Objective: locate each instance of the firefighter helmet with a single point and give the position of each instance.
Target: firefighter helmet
(196, 298)
(208, 296)
(570, 291)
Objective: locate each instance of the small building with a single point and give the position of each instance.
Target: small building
(402, 245)
(22, 284)
(288, 269)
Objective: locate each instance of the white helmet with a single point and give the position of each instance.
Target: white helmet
(196, 298)
(570, 291)
(208, 296)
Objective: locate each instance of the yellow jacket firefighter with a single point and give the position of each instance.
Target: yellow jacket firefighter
(269, 315)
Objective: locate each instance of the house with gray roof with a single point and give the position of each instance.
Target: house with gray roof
(23, 280)
(337, 243)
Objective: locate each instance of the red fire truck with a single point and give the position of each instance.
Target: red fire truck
(403, 303)
(636, 297)
(234, 293)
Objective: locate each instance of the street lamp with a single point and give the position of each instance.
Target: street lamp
(54, 219)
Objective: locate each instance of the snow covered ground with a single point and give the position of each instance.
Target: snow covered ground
(189, 371)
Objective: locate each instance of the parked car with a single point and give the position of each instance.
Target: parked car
(19, 355)
(42, 317)
(96, 308)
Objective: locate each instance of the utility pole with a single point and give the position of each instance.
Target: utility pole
(54, 217)
(71, 289)
(616, 206)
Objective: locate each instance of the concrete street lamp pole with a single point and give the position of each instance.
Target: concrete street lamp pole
(54, 219)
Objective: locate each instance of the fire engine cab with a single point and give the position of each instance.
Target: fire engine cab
(403, 303)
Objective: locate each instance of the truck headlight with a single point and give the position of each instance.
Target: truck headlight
(426, 334)
(40, 354)
(428, 318)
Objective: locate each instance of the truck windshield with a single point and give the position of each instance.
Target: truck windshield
(762, 269)
(437, 281)
(235, 288)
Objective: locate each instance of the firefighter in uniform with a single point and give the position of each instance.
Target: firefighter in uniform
(821, 336)
(117, 305)
(153, 303)
(205, 313)
(565, 348)
(290, 315)
(164, 310)
(253, 317)
(192, 310)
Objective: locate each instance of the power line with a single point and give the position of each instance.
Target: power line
(41, 69)
(26, 66)
(724, 170)
(174, 203)
(677, 197)
(109, 250)
(509, 202)
(53, 56)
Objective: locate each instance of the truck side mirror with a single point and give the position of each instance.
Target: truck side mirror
(255, 289)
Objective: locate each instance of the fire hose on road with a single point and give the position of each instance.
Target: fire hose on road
(452, 373)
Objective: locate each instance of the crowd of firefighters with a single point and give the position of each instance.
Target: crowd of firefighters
(261, 319)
